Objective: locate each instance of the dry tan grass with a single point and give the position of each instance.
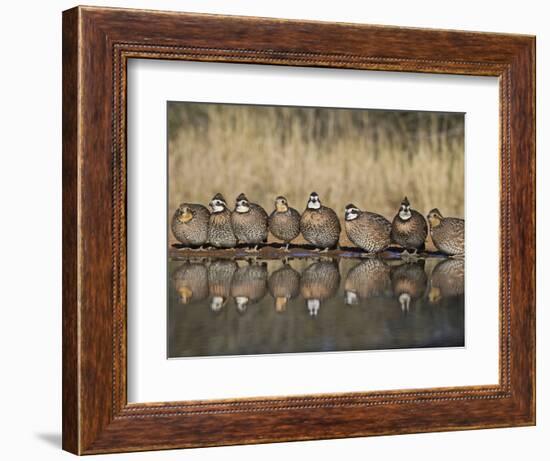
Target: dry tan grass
(369, 158)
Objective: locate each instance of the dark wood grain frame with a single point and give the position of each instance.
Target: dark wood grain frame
(97, 44)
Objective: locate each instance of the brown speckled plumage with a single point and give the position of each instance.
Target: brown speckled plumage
(321, 226)
(284, 221)
(284, 285)
(250, 284)
(368, 279)
(367, 230)
(195, 230)
(220, 231)
(447, 233)
(250, 227)
(190, 281)
(409, 233)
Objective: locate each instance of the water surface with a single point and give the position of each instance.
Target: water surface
(236, 307)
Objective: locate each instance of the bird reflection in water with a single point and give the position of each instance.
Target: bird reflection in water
(220, 275)
(367, 279)
(447, 280)
(409, 282)
(320, 282)
(284, 285)
(233, 307)
(249, 285)
(190, 280)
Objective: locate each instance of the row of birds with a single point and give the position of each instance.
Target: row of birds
(249, 224)
(222, 280)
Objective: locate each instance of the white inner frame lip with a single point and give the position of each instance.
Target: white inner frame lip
(151, 377)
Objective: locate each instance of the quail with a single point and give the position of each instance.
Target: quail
(249, 221)
(447, 233)
(190, 281)
(220, 231)
(220, 274)
(367, 230)
(409, 228)
(447, 280)
(284, 285)
(320, 281)
(368, 279)
(319, 224)
(409, 282)
(190, 224)
(284, 221)
(249, 285)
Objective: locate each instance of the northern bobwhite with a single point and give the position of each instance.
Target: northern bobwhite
(409, 228)
(284, 221)
(319, 224)
(220, 231)
(249, 221)
(447, 233)
(367, 230)
(190, 224)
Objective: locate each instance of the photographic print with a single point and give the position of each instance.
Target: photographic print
(313, 229)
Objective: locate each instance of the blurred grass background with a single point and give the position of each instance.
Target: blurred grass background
(371, 158)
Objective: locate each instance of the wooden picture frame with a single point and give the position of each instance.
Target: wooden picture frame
(97, 43)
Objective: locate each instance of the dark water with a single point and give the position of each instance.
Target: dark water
(227, 307)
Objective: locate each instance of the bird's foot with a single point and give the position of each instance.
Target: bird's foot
(252, 259)
(200, 248)
(285, 248)
(254, 249)
(409, 257)
(324, 250)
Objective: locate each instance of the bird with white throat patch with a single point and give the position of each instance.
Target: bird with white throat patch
(409, 228)
(319, 224)
(249, 222)
(369, 231)
(220, 231)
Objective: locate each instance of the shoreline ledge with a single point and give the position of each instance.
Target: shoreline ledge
(275, 251)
